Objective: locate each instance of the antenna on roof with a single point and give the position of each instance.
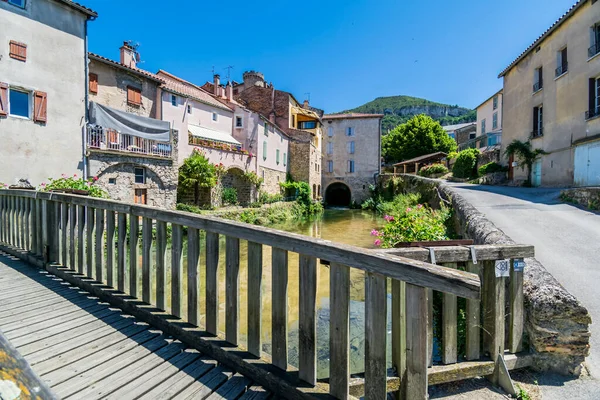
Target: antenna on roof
(229, 68)
(307, 96)
(213, 70)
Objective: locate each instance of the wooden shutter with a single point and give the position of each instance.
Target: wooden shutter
(40, 101)
(18, 51)
(535, 120)
(592, 97)
(134, 96)
(3, 99)
(93, 83)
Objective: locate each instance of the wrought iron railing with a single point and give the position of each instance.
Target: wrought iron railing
(592, 113)
(537, 132)
(562, 69)
(538, 86)
(99, 138)
(594, 49)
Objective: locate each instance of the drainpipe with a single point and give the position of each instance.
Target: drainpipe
(86, 98)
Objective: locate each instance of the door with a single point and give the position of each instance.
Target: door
(536, 173)
(140, 196)
(587, 165)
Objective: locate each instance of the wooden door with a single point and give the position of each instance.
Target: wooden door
(141, 196)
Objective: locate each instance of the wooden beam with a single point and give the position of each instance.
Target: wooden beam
(161, 264)
(307, 363)
(147, 260)
(232, 289)
(193, 256)
(176, 269)
(449, 326)
(339, 329)
(375, 336)
(212, 283)
(473, 316)
(515, 335)
(399, 333)
(451, 254)
(279, 321)
(417, 353)
(255, 271)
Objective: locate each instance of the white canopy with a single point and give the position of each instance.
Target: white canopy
(212, 135)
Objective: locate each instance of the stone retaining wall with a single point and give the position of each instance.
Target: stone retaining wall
(587, 197)
(556, 324)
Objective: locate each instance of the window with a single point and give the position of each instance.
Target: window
(93, 78)
(351, 147)
(277, 156)
(538, 79)
(18, 3)
(18, 51)
(307, 124)
(562, 66)
(329, 166)
(349, 131)
(189, 108)
(265, 150)
(483, 126)
(174, 100)
(141, 196)
(350, 165)
(239, 122)
(495, 102)
(134, 96)
(266, 129)
(284, 159)
(538, 122)
(594, 40)
(215, 116)
(594, 98)
(330, 148)
(472, 136)
(18, 103)
(495, 121)
(316, 167)
(330, 131)
(293, 121)
(452, 135)
(112, 181)
(140, 175)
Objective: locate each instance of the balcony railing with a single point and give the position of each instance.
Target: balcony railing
(595, 49)
(538, 86)
(562, 69)
(593, 113)
(107, 139)
(485, 140)
(537, 132)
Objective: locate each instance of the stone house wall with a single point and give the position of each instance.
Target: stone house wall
(271, 180)
(463, 135)
(246, 191)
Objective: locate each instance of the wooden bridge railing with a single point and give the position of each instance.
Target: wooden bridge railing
(74, 231)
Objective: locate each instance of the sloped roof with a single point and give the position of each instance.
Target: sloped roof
(188, 89)
(79, 7)
(544, 35)
(501, 91)
(452, 128)
(137, 71)
(352, 115)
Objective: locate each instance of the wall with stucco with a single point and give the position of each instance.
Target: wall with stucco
(486, 111)
(564, 99)
(54, 35)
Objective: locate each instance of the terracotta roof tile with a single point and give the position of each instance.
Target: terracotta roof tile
(185, 88)
(80, 7)
(123, 66)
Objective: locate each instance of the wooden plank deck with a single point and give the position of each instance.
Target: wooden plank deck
(85, 349)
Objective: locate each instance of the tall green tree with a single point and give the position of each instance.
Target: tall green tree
(524, 155)
(418, 136)
(197, 172)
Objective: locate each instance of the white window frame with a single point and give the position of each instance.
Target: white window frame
(495, 103)
(174, 100)
(135, 175)
(29, 102)
(330, 131)
(215, 117)
(241, 119)
(597, 93)
(350, 131)
(330, 166)
(266, 130)
(265, 150)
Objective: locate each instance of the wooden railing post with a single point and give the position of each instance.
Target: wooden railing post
(161, 270)
(193, 256)
(51, 234)
(417, 353)
(2, 215)
(99, 248)
(146, 260)
(399, 333)
(212, 283)
(450, 327)
(255, 270)
(134, 251)
(339, 320)
(89, 237)
(64, 220)
(375, 336)
(176, 269)
(279, 308)
(473, 316)
(110, 247)
(307, 363)
(515, 338)
(72, 235)
(121, 245)
(27, 223)
(493, 299)
(232, 289)
(81, 221)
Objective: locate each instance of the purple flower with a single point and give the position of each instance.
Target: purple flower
(377, 242)
(374, 232)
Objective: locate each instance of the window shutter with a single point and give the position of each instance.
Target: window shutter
(40, 101)
(3, 99)
(535, 119)
(93, 83)
(541, 77)
(18, 51)
(592, 96)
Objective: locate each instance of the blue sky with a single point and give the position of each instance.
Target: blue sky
(344, 53)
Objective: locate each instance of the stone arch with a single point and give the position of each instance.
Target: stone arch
(234, 178)
(338, 194)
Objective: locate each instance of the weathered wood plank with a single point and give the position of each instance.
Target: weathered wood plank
(81, 220)
(110, 247)
(449, 326)
(430, 327)
(121, 244)
(134, 251)
(375, 336)
(39, 226)
(146, 260)
(176, 269)
(232, 389)
(232, 289)
(212, 283)
(339, 320)
(515, 338)
(493, 303)
(89, 236)
(72, 236)
(417, 353)
(161, 259)
(64, 217)
(279, 322)
(99, 256)
(399, 332)
(255, 270)
(307, 349)
(19, 222)
(473, 315)
(193, 256)
(451, 254)
(27, 222)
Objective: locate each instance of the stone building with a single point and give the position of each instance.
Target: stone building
(128, 147)
(552, 99)
(351, 156)
(43, 76)
(462, 133)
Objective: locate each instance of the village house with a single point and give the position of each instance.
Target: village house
(128, 147)
(351, 156)
(461, 133)
(43, 72)
(552, 98)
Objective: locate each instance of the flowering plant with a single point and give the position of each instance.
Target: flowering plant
(3, 185)
(74, 183)
(419, 223)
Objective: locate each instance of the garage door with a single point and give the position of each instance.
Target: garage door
(587, 165)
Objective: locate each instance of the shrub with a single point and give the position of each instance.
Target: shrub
(266, 198)
(490, 168)
(74, 183)
(302, 192)
(466, 164)
(230, 196)
(433, 169)
(197, 172)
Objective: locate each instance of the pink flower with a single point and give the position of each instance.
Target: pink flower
(419, 206)
(374, 232)
(388, 218)
(95, 178)
(89, 183)
(377, 242)
(64, 175)
(408, 209)
(43, 184)
(74, 175)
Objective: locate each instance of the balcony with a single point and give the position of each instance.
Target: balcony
(595, 49)
(593, 113)
(538, 86)
(483, 141)
(98, 138)
(562, 69)
(539, 132)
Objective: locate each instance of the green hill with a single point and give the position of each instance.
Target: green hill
(399, 109)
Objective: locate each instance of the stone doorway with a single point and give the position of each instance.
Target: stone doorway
(338, 195)
(234, 178)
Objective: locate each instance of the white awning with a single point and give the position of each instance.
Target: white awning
(212, 135)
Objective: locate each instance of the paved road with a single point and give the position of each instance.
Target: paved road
(567, 243)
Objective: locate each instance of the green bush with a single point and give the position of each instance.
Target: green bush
(466, 164)
(418, 223)
(490, 168)
(74, 183)
(433, 169)
(230, 196)
(266, 198)
(301, 191)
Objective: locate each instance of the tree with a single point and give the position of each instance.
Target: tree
(197, 172)
(418, 136)
(524, 154)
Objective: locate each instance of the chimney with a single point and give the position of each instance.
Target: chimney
(272, 117)
(217, 83)
(229, 91)
(128, 55)
(305, 105)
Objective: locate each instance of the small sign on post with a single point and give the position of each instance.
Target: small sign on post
(519, 264)
(502, 268)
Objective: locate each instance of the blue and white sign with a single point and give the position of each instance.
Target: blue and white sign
(519, 264)
(502, 268)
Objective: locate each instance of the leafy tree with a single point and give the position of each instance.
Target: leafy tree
(419, 136)
(197, 172)
(525, 155)
(465, 165)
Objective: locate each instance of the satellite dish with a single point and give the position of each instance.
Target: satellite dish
(137, 57)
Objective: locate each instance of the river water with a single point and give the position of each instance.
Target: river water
(344, 226)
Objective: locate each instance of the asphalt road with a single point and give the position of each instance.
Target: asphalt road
(567, 243)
